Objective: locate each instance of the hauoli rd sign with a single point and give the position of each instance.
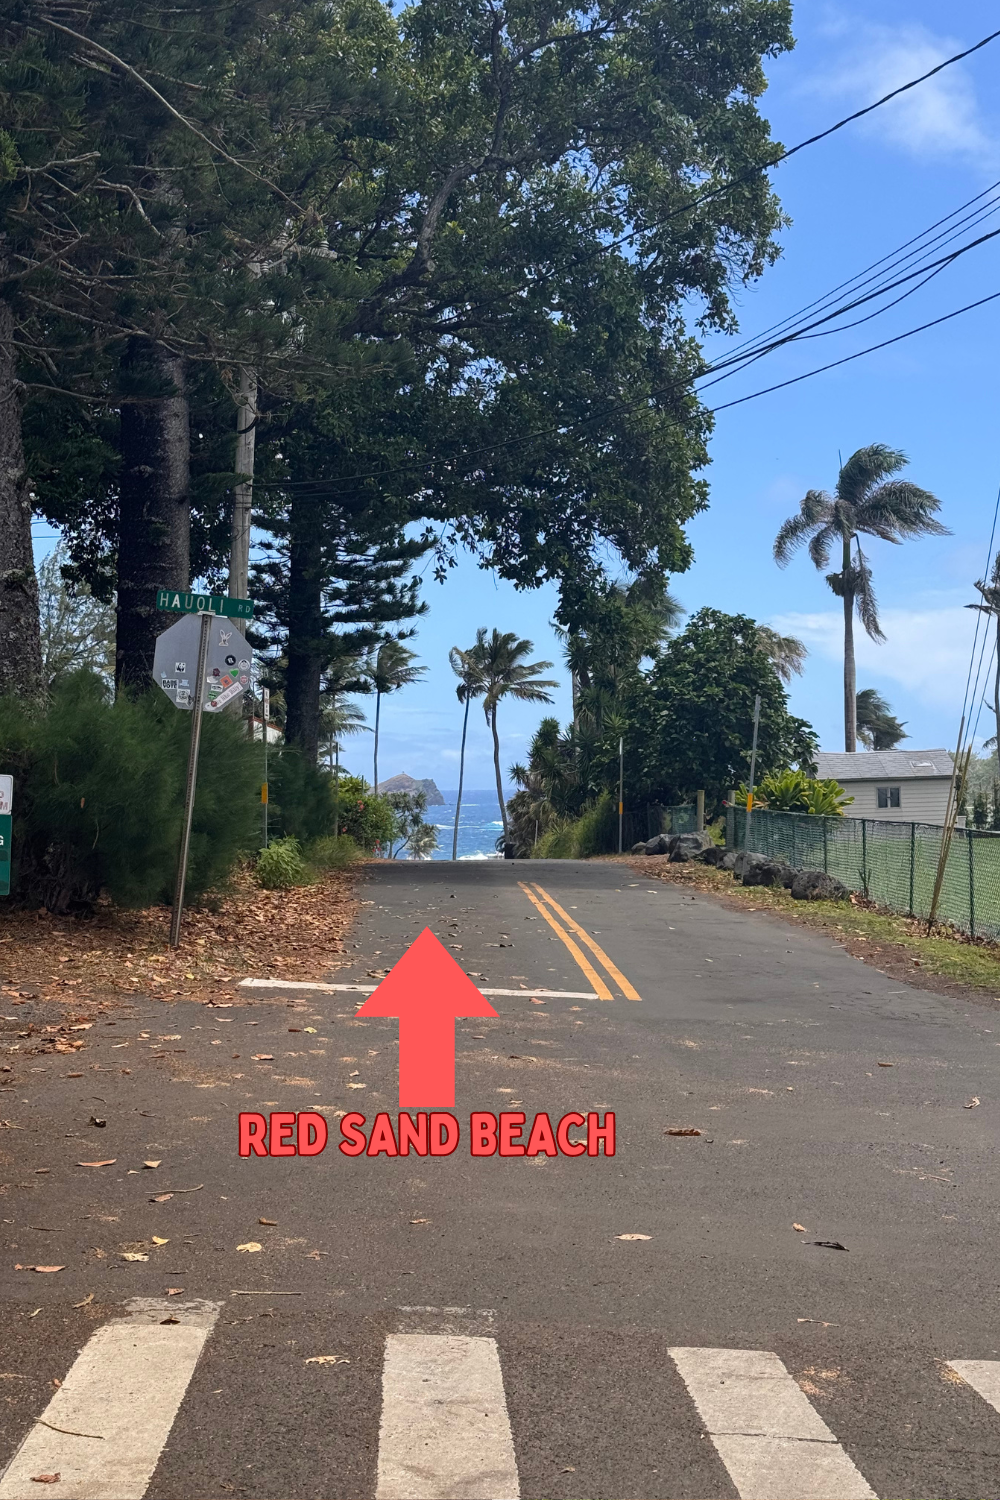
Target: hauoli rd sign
(179, 603)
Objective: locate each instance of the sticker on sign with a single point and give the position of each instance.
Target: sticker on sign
(6, 795)
(177, 649)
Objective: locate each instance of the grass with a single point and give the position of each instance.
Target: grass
(951, 954)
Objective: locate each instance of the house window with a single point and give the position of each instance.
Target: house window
(888, 796)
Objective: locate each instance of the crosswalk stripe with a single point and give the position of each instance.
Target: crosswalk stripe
(105, 1428)
(983, 1375)
(445, 1431)
(773, 1442)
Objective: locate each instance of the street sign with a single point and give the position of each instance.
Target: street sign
(6, 801)
(227, 672)
(180, 603)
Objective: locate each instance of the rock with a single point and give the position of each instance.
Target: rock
(639, 848)
(744, 860)
(660, 844)
(404, 783)
(728, 860)
(765, 872)
(815, 885)
(685, 846)
(713, 856)
(788, 875)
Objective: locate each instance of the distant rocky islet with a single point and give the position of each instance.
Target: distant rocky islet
(404, 783)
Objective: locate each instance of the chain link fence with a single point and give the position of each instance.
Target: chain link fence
(645, 823)
(893, 864)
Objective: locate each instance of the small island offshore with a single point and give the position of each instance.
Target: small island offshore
(404, 783)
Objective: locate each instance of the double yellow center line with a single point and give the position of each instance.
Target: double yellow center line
(597, 982)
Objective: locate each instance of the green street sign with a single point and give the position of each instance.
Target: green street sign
(180, 603)
(6, 798)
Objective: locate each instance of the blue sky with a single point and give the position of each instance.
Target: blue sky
(852, 199)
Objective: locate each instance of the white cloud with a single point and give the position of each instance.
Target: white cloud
(939, 118)
(925, 650)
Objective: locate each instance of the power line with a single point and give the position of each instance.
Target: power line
(793, 150)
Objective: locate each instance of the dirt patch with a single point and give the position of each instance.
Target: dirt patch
(947, 962)
(294, 934)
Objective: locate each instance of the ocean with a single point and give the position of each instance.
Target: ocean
(478, 831)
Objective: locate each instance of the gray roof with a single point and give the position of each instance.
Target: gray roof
(883, 765)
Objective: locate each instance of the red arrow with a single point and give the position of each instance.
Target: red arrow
(426, 989)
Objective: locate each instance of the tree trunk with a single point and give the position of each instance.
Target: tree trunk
(20, 639)
(154, 532)
(496, 767)
(461, 779)
(378, 711)
(305, 646)
(850, 671)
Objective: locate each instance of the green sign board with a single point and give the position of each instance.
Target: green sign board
(203, 604)
(6, 800)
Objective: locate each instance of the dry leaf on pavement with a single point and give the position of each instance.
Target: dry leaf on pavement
(972, 1102)
(801, 1228)
(45, 1478)
(109, 1163)
(886, 1065)
(151, 1163)
(633, 1236)
(86, 1301)
(40, 1268)
(682, 1130)
(272, 1222)
(328, 1359)
(134, 1255)
(251, 1247)
(158, 1241)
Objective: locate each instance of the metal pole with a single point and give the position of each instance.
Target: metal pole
(192, 780)
(753, 772)
(265, 700)
(970, 840)
(913, 863)
(621, 784)
(336, 793)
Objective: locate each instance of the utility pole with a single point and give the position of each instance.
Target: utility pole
(621, 785)
(753, 771)
(246, 440)
(265, 708)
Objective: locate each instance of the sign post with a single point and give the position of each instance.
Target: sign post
(222, 672)
(192, 782)
(6, 802)
(753, 772)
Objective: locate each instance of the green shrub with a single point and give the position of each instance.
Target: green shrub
(331, 853)
(99, 796)
(557, 842)
(597, 828)
(280, 865)
(300, 797)
(366, 816)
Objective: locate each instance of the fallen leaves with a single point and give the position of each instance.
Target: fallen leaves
(174, 1291)
(109, 1163)
(886, 1065)
(46, 1270)
(134, 1255)
(801, 1228)
(828, 1244)
(327, 1359)
(86, 1301)
(633, 1236)
(262, 1056)
(45, 1478)
(973, 1102)
(158, 1240)
(683, 1130)
(151, 1163)
(251, 1247)
(272, 1222)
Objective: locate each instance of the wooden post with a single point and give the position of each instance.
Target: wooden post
(700, 813)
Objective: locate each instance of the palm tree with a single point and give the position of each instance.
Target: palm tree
(878, 727)
(786, 653)
(337, 720)
(991, 606)
(389, 669)
(868, 500)
(470, 686)
(500, 661)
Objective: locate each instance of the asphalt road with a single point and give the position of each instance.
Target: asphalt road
(462, 1326)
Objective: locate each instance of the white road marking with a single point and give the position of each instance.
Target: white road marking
(772, 1441)
(983, 1375)
(445, 1433)
(369, 989)
(124, 1389)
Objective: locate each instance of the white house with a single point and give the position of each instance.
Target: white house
(902, 786)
